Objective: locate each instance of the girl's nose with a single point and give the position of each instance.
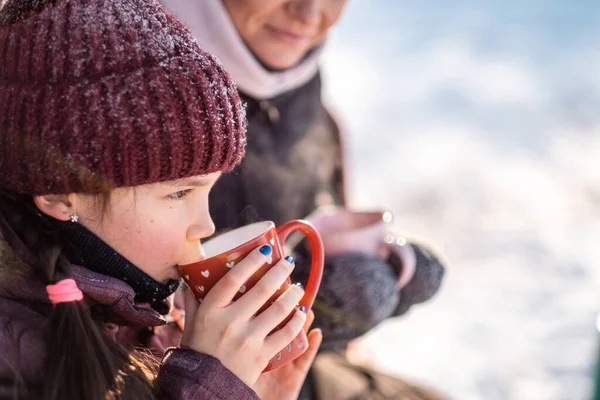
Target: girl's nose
(306, 11)
(199, 231)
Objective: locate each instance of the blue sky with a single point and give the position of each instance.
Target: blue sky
(507, 66)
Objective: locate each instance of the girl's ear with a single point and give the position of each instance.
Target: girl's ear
(55, 205)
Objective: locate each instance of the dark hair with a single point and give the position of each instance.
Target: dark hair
(83, 363)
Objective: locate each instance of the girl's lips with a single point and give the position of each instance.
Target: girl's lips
(286, 36)
(174, 273)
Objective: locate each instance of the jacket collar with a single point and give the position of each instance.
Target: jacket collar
(113, 296)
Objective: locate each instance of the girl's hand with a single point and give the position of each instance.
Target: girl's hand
(286, 381)
(230, 331)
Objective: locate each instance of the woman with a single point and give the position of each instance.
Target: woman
(272, 49)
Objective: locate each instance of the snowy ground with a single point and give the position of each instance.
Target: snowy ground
(477, 123)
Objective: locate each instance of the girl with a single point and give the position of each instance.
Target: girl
(114, 127)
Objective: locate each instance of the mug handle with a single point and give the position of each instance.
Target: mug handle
(318, 256)
(397, 245)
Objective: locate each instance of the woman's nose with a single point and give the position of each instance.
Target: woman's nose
(306, 11)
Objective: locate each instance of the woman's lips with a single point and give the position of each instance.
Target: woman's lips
(287, 36)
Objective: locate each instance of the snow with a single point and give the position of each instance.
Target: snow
(477, 124)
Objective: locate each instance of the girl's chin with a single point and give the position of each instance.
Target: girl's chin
(171, 274)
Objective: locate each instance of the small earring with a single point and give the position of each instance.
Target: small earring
(74, 217)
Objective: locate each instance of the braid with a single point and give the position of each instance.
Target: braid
(89, 365)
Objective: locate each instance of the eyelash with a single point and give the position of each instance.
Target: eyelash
(180, 195)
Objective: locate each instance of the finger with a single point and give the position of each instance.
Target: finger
(303, 363)
(264, 323)
(264, 289)
(278, 340)
(191, 308)
(226, 288)
(310, 317)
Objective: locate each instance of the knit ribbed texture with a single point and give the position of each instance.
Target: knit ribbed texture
(96, 94)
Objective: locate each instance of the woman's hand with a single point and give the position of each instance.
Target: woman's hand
(286, 381)
(230, 331)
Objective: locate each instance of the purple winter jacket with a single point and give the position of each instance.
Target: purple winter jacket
(183, 373)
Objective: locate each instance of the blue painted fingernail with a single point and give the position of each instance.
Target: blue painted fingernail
(302, 309)
(265, 250)
(301, 286)
(289, 259)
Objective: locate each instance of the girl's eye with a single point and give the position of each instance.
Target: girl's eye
(180, 195)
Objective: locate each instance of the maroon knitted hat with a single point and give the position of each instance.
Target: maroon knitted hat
(96, 94)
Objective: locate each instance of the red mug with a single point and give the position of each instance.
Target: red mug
(226, 250)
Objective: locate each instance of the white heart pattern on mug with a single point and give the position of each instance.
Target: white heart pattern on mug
(272, 241)
(243, 289)
(299, 343)
(205, 273)
(270, 260)
(187, 277)
(200, 288)
(230, 264)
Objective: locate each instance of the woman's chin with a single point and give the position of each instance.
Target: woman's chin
(281, 58)
(283, 63)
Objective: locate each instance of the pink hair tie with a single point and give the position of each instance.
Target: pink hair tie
(64, 291)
